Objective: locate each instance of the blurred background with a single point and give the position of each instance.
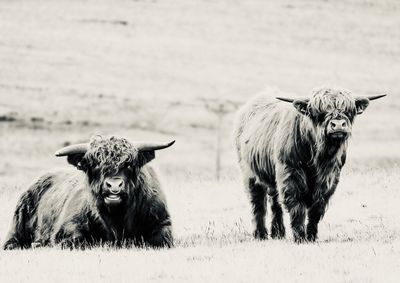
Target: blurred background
(162, 70)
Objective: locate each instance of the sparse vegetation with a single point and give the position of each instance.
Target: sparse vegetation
(142, 69)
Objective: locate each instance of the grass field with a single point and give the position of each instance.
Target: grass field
(147, 70)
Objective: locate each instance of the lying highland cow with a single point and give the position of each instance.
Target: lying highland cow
(114, 198)
(293, 151)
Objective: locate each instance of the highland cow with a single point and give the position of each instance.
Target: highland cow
(292, 152)
(114, 198)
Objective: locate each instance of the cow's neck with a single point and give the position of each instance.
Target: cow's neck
(327, 164)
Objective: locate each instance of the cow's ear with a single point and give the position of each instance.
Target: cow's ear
(147, 150)
(301, 106)
(76, 160)
(361, 105)
(74, 153)
(146, 156)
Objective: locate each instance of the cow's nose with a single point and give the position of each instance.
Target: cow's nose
(114, 185)
(338, 125)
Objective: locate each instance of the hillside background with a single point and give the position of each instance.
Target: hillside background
(151, 70)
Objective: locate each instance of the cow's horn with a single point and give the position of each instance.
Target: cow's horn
(373, 97)
(285, 99)
(145, 146)
(73, 149)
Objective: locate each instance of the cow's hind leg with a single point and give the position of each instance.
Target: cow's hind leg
(20, 235)
(277, 226)
(258, 194)
(12, 243)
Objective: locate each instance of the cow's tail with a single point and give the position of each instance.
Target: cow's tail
(238, 130)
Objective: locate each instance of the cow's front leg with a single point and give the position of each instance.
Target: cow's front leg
(297, 218)
(71, 235)
(40, 243)
(315, 214)
(74, 242)
(292, 183)
(161, 237)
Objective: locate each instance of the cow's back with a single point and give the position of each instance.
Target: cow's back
(263, 129)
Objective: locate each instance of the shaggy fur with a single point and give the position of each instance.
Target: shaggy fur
(285, 154)
(67, 208)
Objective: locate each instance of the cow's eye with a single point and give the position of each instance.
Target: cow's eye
(321, 117)
(96, 171)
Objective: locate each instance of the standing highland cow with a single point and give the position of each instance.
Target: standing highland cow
(114, 198)
(293, 152)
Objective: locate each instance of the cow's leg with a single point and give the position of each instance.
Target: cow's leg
(258, 194)
(71, 235)
(70, 241)
(297, 218)
(315, 214)
(20, 235)
(277, 226)
(292, 184)
(161, 237)
(14, 240)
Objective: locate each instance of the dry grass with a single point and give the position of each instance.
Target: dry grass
(359, 241)
(143, 69)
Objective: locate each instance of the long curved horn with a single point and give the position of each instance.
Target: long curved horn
(145, 146)
(291, 100)
(285, 99)
(73, 149)
(373, 97)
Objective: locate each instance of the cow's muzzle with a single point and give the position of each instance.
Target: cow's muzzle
(338, 128)
(112, 199)
(113, 187)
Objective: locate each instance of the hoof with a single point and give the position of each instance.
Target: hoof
(36, 245)
(261, 234)
(277, 232)
(299, 240)
(311, 237)
(11, 245)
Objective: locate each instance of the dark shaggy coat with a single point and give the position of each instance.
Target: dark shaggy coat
(66, 208)
(286, 154)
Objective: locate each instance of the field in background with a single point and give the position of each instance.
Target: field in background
(147, 70)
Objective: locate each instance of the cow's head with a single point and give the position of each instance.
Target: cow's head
(332, 111)
(112, 166)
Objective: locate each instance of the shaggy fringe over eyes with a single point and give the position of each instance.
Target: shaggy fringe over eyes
(110, 154)
(329, 101)
(325, 100)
